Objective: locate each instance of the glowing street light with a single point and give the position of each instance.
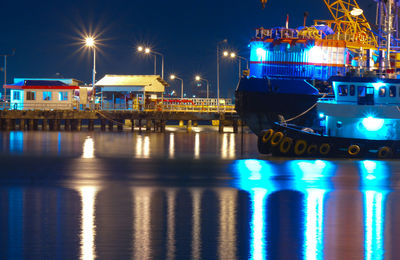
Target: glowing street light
(198, 78)
(147, 50)
(91, 43)
(173, 77)
(233, 55)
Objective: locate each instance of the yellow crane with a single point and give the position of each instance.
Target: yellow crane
(349, 23)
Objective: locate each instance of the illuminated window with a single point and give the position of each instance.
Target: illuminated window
(343, 90)
(16, 95)
(63, 96)
(392, 91)
(30, 95)
(361, 91)
(382, 91)
(47, 95)
(352, 90)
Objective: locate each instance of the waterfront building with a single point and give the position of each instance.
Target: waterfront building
(45, 94)
(130, 91)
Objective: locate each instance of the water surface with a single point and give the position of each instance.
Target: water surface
(199, 195)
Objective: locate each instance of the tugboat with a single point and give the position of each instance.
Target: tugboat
(290, 67)
(363, 120)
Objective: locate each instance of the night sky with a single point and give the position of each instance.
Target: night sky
(46, 35)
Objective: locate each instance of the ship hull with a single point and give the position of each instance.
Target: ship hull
(261, 102)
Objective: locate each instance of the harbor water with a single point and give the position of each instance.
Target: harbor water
(197, 195)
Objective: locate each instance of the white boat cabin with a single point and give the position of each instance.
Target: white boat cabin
(363, 107)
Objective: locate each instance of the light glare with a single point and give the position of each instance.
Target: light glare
(89, 41)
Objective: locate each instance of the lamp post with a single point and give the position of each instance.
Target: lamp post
(90, 43)
(172, 77)
(218, 43)
(147, 50)
(233, 55)
(198, 78)
(5, 72)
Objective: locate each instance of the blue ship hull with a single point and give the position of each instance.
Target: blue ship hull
(262, 101)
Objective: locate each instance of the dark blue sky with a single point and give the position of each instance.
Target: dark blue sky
(45, 35)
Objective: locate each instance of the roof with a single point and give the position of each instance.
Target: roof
(40, 84)
(152, 83)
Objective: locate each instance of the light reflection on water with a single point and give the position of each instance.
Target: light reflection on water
(120, 196)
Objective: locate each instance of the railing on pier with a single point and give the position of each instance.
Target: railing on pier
(166, 104)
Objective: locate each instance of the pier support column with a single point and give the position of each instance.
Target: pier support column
(13, 124)
(132, 124)
(103, 125)
(148, 125)
(221, 126)
(7, 125)
(67, 124)
(91, 125)
(163, 123)
(56, 124)
(235, 126)
(189, 125)
(51, 124)
(44, 125)
(1, 124)
(35, 124)
(110, 125)
(120, 124)
(30, 124)
(140, 125)
(78, 124)
(22, 124)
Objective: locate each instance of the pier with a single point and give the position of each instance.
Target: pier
(76, 120)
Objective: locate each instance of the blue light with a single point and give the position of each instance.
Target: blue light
(261, 54)
(377, 85)
(372, 124)
(316, 54)
(321, 115)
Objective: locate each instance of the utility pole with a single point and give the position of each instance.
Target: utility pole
(5, 71)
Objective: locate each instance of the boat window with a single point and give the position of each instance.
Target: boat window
(382, 91)
(392, 91)
(343, 90)
(352, 90)
(361, 91)
(370, 91)
(30, 95)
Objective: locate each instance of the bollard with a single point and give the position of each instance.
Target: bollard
(181, 124)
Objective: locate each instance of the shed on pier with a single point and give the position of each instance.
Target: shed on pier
(44, 94)
(133, 92)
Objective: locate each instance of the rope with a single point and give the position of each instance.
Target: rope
(110, 119)
(305, 112)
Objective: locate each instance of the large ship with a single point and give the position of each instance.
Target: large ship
(290, 67)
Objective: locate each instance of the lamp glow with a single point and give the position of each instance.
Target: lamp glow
(197, 78)
(89, 42)
(233, 55)
(140, 48)
(172, 77)
(261, 53)
(356, 12)
(147, 50)
(372, 124)
(226, 53)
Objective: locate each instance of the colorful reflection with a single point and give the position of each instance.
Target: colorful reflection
(88, 148)
(374, 183)
(16, 142)
(88, 232)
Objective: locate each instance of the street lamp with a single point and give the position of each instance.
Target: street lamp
(173, 77)
(5, 72)
(218, 43)
(233, 55)
(90, 43)
(198, 78)
(147, 50)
